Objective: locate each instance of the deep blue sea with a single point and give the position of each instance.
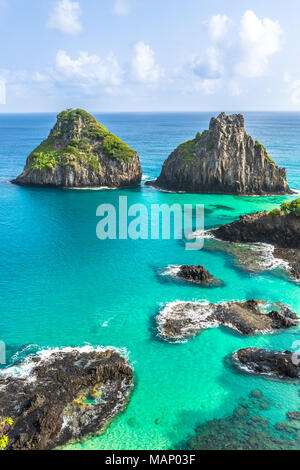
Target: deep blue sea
(61, 286)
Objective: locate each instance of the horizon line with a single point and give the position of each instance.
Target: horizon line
(156, 112)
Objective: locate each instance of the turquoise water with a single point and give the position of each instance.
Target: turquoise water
(61, 286)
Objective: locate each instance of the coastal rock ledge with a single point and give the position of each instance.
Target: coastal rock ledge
(80, 152)
(277, 229)
(63, 395)
(223, 159)
(180, 321)
(263, 361)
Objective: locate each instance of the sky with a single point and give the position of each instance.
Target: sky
(149, 55)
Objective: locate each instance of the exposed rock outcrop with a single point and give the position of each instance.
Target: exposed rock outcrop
(223, 159)
(183, 320)
(272, 363)
(80, 152)
(282, 231)
(196, 274)
(67, 395)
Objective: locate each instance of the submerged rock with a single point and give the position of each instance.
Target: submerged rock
(183, 320)
(63, 395)
(197, 275)
(263, 361)
(293, 415)
(224, 159)
(282, 231)
(80, 152)
(245, 429)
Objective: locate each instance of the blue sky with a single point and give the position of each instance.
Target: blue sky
(149, 55)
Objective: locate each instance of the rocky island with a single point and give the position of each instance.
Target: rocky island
(68, 394)
(272, 363)
(279, 227)
(182, 320)
(196, 274)
(80, 152)
(223, 159)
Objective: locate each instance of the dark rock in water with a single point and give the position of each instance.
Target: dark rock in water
(244, 430)
(69, 394)
(293, 415)
(80, 152)
(224, 159)
(197, 274)
(282, 231)
(256, 394)
(263, 361)
(183, 320)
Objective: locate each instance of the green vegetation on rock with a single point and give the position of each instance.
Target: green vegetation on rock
(259, 145)
(186, 152)
(210, 146)
(78, 139)
(4, 437)
(292, 207)
(275, 212)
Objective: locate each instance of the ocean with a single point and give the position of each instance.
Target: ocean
(62, 286)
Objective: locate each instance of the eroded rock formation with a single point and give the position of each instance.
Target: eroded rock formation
(80, 152)
(223, 159)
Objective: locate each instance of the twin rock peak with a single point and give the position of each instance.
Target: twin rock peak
(80, 152)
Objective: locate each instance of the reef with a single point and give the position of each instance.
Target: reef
(246, 429)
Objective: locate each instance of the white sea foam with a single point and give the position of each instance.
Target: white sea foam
(267, 260)
(200, 234)
(89, 188)
(145, 177)
(171, 270)
(196, 313)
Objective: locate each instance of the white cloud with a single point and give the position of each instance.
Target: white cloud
(244, 52)
(88, 70)
(208, 86)
(218, 26)
(2, 91)
(144, 68)
(293, 88)
(65, 17)
(211, 66)
(121, 7)
(260, 39)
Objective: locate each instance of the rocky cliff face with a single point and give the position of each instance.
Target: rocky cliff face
(80, 152)
(224, 159)
(63, 395)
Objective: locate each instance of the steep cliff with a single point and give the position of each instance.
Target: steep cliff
(80, 152)
(223, 159)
